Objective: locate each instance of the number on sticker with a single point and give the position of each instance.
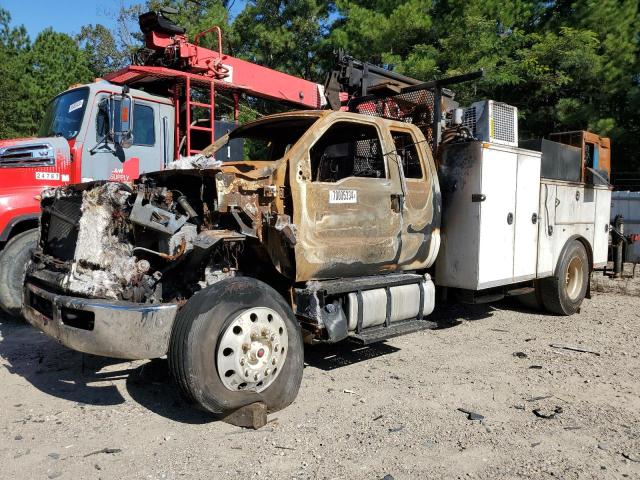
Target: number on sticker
(47, 176)
(76, 105)
(343, 196)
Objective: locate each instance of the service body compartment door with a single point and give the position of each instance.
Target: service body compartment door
(497, 217)
(460, 173)
(546, 223)
(526, 222)
(575, 204)
(601, 227)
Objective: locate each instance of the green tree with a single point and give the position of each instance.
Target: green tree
(565, 64)
(104, 53)
(55, 62)
(284, 35)
(15, 111)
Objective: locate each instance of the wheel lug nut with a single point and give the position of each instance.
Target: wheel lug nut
(264, 332)
(273, 337)
(267, 372)
(253, 335)
(242, 361)
(245, 347)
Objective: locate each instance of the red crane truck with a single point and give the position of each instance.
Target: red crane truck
(165, 101)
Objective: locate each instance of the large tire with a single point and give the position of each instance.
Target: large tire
(13, 264)
(563, 293)
(202, 336)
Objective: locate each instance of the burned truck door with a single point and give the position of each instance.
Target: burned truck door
(350, 206)
(421, 207)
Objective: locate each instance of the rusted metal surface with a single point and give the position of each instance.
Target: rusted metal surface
(392, 224)
(592, 145)
(368, 236)
(175, 232)
(331, 240)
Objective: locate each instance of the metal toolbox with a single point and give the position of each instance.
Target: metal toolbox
(490, 215)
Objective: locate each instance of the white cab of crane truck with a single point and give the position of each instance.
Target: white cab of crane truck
(514, 215)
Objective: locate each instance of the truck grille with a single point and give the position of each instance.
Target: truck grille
(38, 155)
(60, 227)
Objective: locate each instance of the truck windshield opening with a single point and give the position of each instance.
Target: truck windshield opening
(64, 114)
(271, 141)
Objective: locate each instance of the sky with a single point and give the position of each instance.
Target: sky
(66, 16)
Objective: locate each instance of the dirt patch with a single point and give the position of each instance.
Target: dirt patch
(628, 284)
(487, 397)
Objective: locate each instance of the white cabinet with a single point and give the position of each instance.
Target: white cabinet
(525, 254)
(497, 216)
(490, 215)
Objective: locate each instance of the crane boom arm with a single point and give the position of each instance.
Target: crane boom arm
(166, 46)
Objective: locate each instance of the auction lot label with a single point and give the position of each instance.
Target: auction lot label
(343, 196)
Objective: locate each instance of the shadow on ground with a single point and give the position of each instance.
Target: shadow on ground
(55, 370)
(87, 379)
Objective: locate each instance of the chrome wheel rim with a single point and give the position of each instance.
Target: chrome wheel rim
(252, 350)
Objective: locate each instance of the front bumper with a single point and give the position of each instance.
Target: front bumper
(101, 327)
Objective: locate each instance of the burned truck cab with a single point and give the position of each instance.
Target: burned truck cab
(325, 229)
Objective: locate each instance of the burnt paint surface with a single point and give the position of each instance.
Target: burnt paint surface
(390, 227)
(393, 226)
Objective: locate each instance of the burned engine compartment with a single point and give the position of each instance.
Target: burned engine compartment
(160, 239)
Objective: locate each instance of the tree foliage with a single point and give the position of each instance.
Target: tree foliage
(103, 50)
(14, 96)
(566, 64)
(34, 73)
(286, 35)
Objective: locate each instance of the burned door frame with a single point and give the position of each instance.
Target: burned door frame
(360, 234)
(422, 204)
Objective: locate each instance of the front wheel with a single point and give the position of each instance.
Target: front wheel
(563, 293)
(13, 265)
(235, 343)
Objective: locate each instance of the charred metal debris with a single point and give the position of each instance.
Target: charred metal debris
(162, 238)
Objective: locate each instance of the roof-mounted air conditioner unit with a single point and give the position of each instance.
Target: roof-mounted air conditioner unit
(493, 122)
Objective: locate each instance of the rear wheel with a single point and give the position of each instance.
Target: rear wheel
(563, 293)
(234, 343)
(13, 265)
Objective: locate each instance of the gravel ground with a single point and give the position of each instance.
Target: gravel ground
(362, 413)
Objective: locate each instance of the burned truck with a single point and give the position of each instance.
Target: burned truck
(225, 269)
(329, 229)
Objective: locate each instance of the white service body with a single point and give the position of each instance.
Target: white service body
(503, 224)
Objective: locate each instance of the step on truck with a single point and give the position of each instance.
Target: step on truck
(176, 98)
(333, 226)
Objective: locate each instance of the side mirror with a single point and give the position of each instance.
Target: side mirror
(123, 124)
